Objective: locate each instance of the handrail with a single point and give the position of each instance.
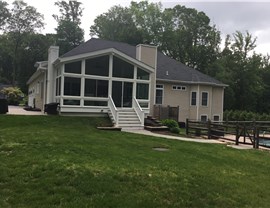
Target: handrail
(113, 109)
(138, 110)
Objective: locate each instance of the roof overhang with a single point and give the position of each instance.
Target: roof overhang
(41, 68)
(192, 83)
(106, 52)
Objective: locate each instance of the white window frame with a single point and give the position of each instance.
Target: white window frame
(203, 115)
(207, 104)
(191, 98)
(161, 87)
(216, 115)
(179, 87)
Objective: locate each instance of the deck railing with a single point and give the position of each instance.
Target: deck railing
(138, 110)
(113, 110)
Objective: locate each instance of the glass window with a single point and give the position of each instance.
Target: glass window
(72, 86)
(74, 67)
(122, 68)
(58, 86)
(204, 118)
(71, 102)
(204, 98)
(193, 98)
(95, 103)
(142, 91)
(96, 88)
(159, 95)
(216, 118)
(97, 66)
(141, 74)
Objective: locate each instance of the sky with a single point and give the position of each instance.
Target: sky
(228, 16)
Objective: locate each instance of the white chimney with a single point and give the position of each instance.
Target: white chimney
(53, 54)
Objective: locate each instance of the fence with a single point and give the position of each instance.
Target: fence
(256, 133)
(166, 112)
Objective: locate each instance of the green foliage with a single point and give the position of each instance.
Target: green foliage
(170, 123)
(13, 94)
(175, 130)
(69, 34)
(4, 14)
(237, 115)
(189, 38)
(117, 24)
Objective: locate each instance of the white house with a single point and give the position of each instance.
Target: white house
(100, 77)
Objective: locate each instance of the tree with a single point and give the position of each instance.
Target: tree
(242, 71)
(117, 25)
(4, 14)
(23, 19)
(181, 33)
(189, 38)
(148, 20)
(68, 32)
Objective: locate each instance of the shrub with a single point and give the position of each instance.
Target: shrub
(175, 130)
(13, 94)
(170, 123)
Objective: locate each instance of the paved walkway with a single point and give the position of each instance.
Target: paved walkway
(18, 110)
(149, 133)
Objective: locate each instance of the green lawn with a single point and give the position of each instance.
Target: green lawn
(48, 161)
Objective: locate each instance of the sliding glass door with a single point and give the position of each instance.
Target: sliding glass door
(122, 94)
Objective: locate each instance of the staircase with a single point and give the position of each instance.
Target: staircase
(127, 119)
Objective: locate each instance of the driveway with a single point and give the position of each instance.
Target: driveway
(18, 110)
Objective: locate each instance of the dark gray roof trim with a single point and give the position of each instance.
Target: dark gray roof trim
(167, 68)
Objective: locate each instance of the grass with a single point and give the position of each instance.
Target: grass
(48, 161)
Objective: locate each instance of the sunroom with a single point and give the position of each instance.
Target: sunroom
(102, 83)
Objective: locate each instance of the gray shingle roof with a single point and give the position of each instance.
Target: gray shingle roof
(167, 68)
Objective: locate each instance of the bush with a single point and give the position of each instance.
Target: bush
(245, 116)
(13, 94)
(175, 130)
(170, 123)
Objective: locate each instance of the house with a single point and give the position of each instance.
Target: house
(100, 77)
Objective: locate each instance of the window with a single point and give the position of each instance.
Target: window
(95, 103)
(96, 88)
(159, 94)
(178, 87)
(71, 102)
(122, 69)
(74, 67)
(142, 91)
(141, 74)
(72, 86)
(204, 118)
(216, 118)
(97, 66)
(58, 86)
(204, 98)
(193, 98)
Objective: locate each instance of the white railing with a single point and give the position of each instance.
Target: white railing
(138, 110)
(113, 110)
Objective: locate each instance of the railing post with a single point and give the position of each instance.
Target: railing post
(237, 134)
(209, 129)
(187, 125)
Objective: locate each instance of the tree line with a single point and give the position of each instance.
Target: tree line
(182, 33)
